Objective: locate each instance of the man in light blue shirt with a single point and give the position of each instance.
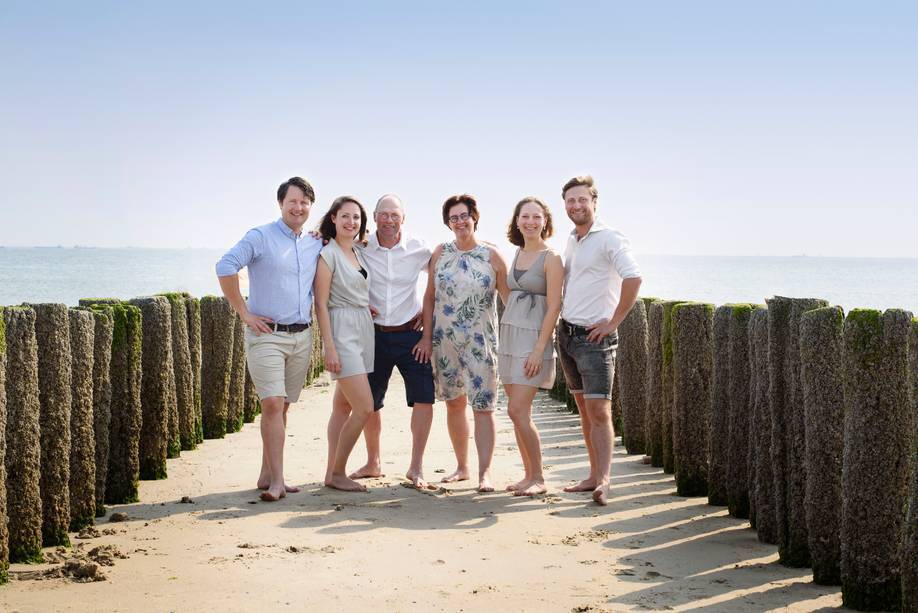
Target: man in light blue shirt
(281, 259)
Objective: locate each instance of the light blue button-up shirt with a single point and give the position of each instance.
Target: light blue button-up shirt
(281, 266)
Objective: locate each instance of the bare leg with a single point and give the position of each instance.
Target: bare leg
(372, 432)
(600, 411)
(264, 477)
(421, 420)
(272, 439)
(341, 410)
(484, 445)
(356, 390)
(588, 484)
(510, 390)
(458, 426)
(520, 409)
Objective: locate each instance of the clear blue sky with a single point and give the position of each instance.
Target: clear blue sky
(711, 128)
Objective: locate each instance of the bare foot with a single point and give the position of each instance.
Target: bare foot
(533, 488)
(484, 483)
(417, 480)
(367, 472)
(587, 485)
(340, 482)
(290, 489)
(460, 474)
(273, 494)
(601, 494)
(515, 486)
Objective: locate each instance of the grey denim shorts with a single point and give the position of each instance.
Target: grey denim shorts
(588, 367)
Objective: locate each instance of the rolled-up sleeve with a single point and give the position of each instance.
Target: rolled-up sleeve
(618, 250)
(241, 255)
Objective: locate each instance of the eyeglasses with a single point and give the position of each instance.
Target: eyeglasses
(387, 216)
(459, 217)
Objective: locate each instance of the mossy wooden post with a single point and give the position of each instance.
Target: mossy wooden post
(182, 373)
(654, 415)
(82, 433)
(765, 513)
(126, 412)
(910, 533)
(738, 422)
(787, 426)
(193, 306)
(666, 383)
(616, 400)
(633, 368)
(235, 401)
(252, 403)
(692, 332)
(217, 325)
(719, 417)
(157, 389)
(755, 351)
(4, 531)
(52, 331)
(103, 323)
(23, 436)
(877, 436)
(823, 407)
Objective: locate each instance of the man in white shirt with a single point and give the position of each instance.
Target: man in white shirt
(395, 261)
(601, 282)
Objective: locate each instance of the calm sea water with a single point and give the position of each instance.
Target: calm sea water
(67, 274)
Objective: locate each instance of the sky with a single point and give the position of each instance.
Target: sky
(717, 128)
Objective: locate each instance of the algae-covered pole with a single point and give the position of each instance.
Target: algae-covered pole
(823, 408)
(157, 390)
(52, 331)
(193, 312)
(633, 368)
(252, 403)
(666, 383)
(654, 415)
(755, 350)
(874, 470)
(23, 436)
(616, 401)
(217, 324)
(738, 426)
(765, 514)
(235, 402)
(910, 534)
(103, 322)
(182, 373)
(4, 535)
(692, 343)
(719, 417)
(82, 434)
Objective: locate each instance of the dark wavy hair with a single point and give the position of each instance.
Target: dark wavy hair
(514, 235)
(300, 182)
(327, 225)
(467, 200)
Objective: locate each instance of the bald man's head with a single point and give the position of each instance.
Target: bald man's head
(390, 201)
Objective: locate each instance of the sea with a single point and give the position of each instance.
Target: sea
(66, 274)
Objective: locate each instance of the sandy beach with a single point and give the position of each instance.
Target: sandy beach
(398, 549)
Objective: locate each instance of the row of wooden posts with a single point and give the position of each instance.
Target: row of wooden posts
(793, 416)
(95, 398)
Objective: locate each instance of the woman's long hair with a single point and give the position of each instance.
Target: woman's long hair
(327, 225)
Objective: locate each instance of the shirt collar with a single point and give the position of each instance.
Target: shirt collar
(401, 244)
(286, 229)
(598, 225)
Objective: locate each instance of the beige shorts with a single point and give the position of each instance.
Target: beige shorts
(278, 362)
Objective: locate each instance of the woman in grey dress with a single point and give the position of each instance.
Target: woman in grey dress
(342, 295)
(526, 359)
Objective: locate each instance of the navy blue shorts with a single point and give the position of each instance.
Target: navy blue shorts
(393, 349)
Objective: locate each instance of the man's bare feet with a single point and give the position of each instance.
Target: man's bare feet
(460, 474)
(340, 482)
(417, 480)
(273, 494)
(484, 483)
(587, 485)
(532, 488)
(515, 486)
(367, 471)
(601, 494)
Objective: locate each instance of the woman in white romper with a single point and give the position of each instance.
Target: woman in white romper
(342, 294)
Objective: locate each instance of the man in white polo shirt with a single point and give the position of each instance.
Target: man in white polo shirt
(395, 261)
(601, 282)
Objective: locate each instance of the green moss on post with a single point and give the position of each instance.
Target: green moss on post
(738, 426)
(878, 429)
(183, 375)
(4, 531)
(52, 331)
(765, 512)
(719, 417)
(753, 441)
(193, 307)
(23, 436)
(616, 401)
(82, 434)
(235, 402)
(823, 407)
(654, 414)
(96, 302)
(103, 323)
(632, 365)
(666, 345)
(910, 533)
(692, 334)
(252, 403)
(157, 391)
(217, 325)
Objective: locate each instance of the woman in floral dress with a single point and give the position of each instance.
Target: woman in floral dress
(460, 323)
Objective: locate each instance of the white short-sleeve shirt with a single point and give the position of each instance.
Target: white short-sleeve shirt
(394, 276)
(594, 267)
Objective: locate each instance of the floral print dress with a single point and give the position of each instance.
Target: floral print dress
(464, 326)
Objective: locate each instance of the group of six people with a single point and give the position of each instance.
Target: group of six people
(446, 345)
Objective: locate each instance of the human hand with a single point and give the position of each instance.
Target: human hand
(258, 324)
(332, 362)
(533, 363)
(318, 236)
(600, 330)
(374, 312)
(422, 350)
(418, 322)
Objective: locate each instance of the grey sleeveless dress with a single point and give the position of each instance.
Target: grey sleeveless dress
(349, 312)
(520, 325)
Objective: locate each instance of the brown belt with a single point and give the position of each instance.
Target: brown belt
(406, 327)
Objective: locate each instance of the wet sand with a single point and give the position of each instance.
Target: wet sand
(398, 549)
